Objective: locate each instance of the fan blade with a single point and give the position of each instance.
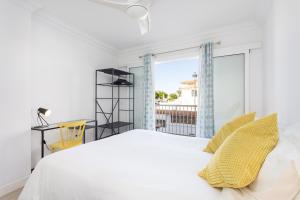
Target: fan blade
(113, 4)
(146, 3)
(144, 24)
(118, 2)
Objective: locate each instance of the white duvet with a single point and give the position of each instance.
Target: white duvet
(136, 165)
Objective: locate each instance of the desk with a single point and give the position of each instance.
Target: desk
(56, 126)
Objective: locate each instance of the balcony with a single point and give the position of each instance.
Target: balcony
(176, 119)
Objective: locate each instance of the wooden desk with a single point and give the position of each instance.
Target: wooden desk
(42, 130)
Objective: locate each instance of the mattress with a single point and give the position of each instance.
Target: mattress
(135, 165)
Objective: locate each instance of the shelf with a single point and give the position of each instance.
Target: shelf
(107, 113)
(113, 98)
(112, 71)
(114, 85)
(89, 127)
(109, 90)
(115, 125)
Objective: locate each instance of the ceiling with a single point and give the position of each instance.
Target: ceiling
(170, 18)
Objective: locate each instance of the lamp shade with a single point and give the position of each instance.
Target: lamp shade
(44, 111)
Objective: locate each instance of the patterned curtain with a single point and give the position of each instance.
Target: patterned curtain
(206, 101)
(149, 121)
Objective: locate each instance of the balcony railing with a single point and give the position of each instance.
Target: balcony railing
(176, 119)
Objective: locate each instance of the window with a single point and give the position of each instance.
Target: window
(176, 88)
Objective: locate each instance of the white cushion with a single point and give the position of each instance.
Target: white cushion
(285, 187)
(286, 150)
(292, 134)
(275, 162)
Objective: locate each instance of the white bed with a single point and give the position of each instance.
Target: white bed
(136, 165)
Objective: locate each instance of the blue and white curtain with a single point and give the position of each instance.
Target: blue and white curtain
(206, 94)
(149, 119)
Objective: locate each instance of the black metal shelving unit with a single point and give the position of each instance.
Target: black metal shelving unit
(114, 123)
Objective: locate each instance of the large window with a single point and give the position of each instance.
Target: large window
(177, 92)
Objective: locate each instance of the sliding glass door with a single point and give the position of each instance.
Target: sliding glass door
(138, 96)
(229, 88)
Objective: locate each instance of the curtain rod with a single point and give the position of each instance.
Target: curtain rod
(184, 49)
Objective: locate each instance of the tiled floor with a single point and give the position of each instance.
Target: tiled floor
(12, 196)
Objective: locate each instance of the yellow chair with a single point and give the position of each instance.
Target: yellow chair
(71, 135)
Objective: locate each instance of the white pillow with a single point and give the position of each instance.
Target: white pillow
(284, 152)
(292, 134)
(286, 187)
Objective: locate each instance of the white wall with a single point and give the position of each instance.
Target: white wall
(43, 63)
(63, 76)
(15, 95)
(256, 102)
(281, 45)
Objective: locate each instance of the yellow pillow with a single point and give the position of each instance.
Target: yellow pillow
(227, 130)
(238, 160)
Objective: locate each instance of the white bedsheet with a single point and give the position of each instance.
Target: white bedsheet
(137, 165)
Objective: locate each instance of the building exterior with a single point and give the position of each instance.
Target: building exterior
(179, 116)
(188, 93)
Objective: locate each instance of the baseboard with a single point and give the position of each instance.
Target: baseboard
(6, 189)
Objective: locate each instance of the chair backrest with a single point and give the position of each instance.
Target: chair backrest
(70, 131)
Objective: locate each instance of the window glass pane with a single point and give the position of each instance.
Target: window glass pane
(229, 88)
(138, 96)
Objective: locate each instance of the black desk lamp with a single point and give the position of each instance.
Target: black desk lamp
(45, 112)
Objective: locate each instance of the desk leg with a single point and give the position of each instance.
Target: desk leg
(84, 137)
(42, 145)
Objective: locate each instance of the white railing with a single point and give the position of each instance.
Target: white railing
(176, 119)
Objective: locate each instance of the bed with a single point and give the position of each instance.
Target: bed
(135, 165)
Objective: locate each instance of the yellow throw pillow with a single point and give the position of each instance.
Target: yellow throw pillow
(227, 130)
(238, 160)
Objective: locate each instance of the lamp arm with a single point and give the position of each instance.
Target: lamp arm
(42, 119)
(45, 121)
(39, 120)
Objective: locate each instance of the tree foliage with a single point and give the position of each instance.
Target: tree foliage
(173, 97)
(160, 95)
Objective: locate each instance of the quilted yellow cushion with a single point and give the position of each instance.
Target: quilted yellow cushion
(238, 160)
(227, 130)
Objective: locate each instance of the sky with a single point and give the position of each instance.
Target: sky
(168, 76)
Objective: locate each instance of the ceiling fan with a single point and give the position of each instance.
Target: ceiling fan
(136, 9)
